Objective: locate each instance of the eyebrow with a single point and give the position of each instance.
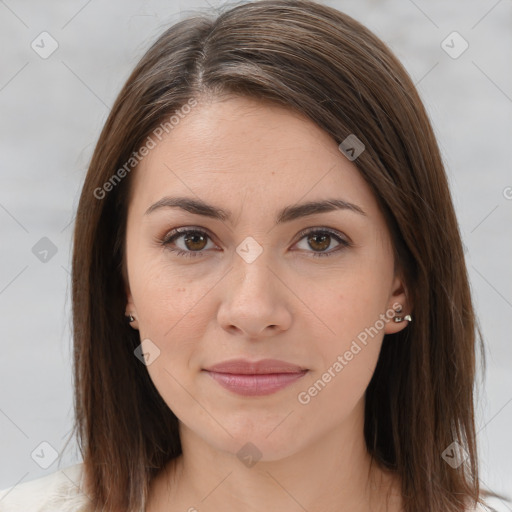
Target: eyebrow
(287, 214)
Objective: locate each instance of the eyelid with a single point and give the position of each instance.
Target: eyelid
(331, 231)
(184, 230)
(175, 233)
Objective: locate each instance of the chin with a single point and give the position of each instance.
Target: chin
(262, 443)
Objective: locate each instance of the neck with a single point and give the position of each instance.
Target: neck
(330, 474)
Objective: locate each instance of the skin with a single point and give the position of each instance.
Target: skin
(253, 159)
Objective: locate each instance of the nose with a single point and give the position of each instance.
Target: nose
(255, 302)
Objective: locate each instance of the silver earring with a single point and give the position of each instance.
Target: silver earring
(131, 318)
(400, 318)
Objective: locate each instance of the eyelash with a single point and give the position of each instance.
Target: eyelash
(179, 232)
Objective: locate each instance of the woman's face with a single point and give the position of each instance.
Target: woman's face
(264, 278)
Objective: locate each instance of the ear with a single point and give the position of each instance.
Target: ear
(130, 306)
(398, 299)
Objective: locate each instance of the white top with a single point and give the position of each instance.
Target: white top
(61, 491)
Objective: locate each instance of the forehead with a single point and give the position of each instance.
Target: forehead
(236, 147)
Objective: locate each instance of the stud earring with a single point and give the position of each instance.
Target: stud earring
(131, 318)
(400, 318)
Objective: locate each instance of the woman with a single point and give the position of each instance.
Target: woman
(270, 300)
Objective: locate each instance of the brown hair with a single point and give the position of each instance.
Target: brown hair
(322, 63)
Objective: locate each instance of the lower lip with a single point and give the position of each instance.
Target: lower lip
(255, 385)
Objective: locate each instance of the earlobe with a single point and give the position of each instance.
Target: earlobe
(398, 319)
(130, 311)
(131, 320)
(399, 308)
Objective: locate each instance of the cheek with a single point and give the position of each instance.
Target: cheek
(173, 316)
(336, 392)
(351, 301)
(169, 298)
(174, 312)
(347, 366)
(353, 307)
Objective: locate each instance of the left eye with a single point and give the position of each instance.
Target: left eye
(195, 240)
(320, 239)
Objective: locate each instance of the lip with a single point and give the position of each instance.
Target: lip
(263, 366)
(255, 378)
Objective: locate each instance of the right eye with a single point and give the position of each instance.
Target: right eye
(192, 241)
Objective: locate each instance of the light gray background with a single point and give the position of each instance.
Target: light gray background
(52, 111)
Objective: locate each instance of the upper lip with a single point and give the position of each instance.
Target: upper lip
(263, 366)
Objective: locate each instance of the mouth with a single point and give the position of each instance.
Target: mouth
(254, 385)
(255, 378)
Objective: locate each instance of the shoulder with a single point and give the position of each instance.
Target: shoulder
(60, 491)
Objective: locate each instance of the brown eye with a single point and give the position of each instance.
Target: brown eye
(186, 242)
(319, 242)
(195, 241)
